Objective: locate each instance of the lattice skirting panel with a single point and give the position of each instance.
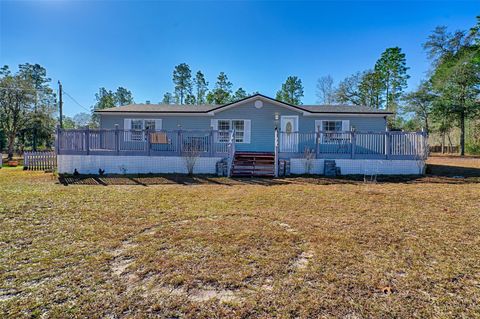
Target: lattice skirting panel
(90, 164)
(361, 166)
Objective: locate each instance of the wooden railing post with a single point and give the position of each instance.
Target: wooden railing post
(388, 144)
(231, 152)
(211, 150)
(276, 153)
(179, 142)
(147, 134)
(354, 143)
(87, 140)
(117, 140)
(317, 142)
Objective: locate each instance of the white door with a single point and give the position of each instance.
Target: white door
(289, 134)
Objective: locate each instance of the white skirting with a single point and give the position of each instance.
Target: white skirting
(90, 164)
(362, 166)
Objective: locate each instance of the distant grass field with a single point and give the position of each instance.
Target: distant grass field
(173, 247)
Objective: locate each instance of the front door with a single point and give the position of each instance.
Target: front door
(289, 134)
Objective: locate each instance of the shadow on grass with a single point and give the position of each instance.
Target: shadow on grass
(435, 174)
(164, 179)
(450, 171)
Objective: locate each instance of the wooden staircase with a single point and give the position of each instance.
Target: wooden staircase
(249, 164)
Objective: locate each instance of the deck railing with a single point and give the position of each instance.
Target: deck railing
(142, 142)
(355, 144)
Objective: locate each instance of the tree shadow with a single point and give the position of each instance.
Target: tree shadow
(451, 171)
(441, 174)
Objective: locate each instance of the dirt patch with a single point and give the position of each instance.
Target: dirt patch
(303, 260)
(150, 284)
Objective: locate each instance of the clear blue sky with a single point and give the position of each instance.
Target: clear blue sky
(90, 44)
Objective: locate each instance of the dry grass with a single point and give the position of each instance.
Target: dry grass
(220, 248)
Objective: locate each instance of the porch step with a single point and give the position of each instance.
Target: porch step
(249, 164)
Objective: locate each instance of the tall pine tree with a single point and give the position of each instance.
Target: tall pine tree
(291, 91)
(201, 88)
(391, 69)
(182, 78)
(222, 92)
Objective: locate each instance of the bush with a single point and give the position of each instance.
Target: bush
(473, 149)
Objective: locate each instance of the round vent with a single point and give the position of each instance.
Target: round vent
(258, 104)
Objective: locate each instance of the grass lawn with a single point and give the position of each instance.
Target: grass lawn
(216, 248)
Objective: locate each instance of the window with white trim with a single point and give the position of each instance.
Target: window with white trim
(225, 126)
(239, 127)
(333, 132)
(332, 126)
(223, 130)
(137, 127)
(150, 125)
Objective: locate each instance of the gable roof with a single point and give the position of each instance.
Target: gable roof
(212, 108)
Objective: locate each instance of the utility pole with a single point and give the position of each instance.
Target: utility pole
(36, 123)
(60, 103)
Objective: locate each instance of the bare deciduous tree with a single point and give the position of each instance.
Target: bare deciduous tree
(190, 153)
(325, 90)
(308, 155)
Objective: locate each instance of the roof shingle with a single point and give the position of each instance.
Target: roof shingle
(205, 108)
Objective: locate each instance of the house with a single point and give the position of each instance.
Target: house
(257, 135)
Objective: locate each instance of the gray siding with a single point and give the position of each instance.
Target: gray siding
(262, 122)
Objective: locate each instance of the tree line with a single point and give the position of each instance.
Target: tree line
(448, 98)
(27, 108)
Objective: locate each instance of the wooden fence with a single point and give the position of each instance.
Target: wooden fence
(39, 161)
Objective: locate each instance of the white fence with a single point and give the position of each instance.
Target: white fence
(39, 161)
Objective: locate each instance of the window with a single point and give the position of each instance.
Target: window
(150, 125)
(137, 127)
(239, 127)
(224, 126)
(137, 124)
(332, 126)
(288, 128)
(223, 131)
(333, 131)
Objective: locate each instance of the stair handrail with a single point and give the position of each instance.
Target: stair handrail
(276, 153)
(231, 152)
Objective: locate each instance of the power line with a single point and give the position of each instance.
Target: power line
(76, 102)
(46, 90)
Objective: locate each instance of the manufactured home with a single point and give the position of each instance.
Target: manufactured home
(255, 136)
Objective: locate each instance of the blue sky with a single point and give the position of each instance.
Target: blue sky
(135, 44)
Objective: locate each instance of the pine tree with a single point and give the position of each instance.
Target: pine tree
(168, 98)
(392, 71)
(239, 95)
(222, 92)
(123, 96)
(291, 91)
(182, 78)
(201, 87)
